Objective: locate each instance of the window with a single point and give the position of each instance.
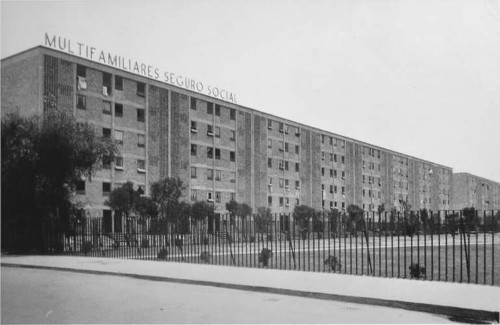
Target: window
(118, 110)
(119, 137)
(106, 108)
(80, 187)
(297, 150)
(210, 108)
(217, 110)
(193, 172)
(270, 200)
(193, 127)
(269, 163)
(343, 159)
(281, 201)
(232, 114)
(270, 124)
(232, 196)
(322, 171)
(106, 133)
(141, 140)
(217, 153)
(322, 138)
(286, 146)
(280, 166)
(141, 165)
(281, 146)
(363, 192)
(81, 102)
(141, 89)
(81, 71)
(331, 143)
(217, 132)
(118, 83)
(280, 182)
(140, 115)
(232, 135)
(297, 201)
(210, 152)
(210, 130)
(232, 156)
(270, 143)
(331, 173)
(106, 188)
(343, 174)
(119, 163)
(281, 127)
(335, 157)
(194, 195)
(106, 84)
(232, 177)
(210, 197)
(106, 162)
(193, 150)
(217, 197)
(335, 189)
(343, 190)
(210, 174)
(297, 167)
(297, 185)
(193, 103)
(335, 173)
(286, 165)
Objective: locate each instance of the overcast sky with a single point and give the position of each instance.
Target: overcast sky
(419, 77)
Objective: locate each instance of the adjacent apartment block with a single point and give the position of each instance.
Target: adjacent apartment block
(474, 191)
(220, 150)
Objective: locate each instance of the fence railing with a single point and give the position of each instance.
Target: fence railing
(443, 246)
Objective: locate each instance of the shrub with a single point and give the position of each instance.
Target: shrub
(333, 264)
(145, 243)
(178, 242)
(270, 237)
(205, 241)
(264, 256)
(252, 239)
(205, 257)
(87, 247)
(416, 271)
(116, 244)
(163, 254)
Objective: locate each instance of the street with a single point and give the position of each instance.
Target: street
(46, 296)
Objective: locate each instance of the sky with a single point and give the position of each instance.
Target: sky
(421, 77)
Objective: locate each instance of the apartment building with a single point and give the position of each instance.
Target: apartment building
(221, 151)
(474, 191)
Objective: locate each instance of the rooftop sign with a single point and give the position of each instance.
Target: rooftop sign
(120, 62)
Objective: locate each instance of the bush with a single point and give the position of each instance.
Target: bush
(416, 271)
(87, 247)
(333, 264)
(252, 239)
(205, 257)
(163, 254)
(178, 242)
(205, 241)
(264, 256)
(145, 243)
(116, 244)
(270, 237)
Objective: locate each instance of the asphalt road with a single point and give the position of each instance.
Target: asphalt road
(45, 296)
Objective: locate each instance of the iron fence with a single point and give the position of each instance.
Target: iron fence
(441, 246)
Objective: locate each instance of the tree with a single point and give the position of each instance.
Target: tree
(43, 159)
(471, 220)
(244, 210)
(166, 193)
(302, 214)
(334, 216)
(232, 207)
(124, 200)
(355, 220)
(318, 226)
(263, 219)
(201, 210)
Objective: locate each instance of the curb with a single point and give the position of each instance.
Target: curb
(460, 314)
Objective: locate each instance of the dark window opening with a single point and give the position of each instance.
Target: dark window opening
(210, 108)
(217, 110)
(118, 83)
(118, 110)
(140, 115)
(81, 102)
(141, 89)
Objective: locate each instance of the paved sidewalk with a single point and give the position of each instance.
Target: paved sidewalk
(454, 299)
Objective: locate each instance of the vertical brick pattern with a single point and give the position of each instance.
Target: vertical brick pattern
(244, 157)
(66, 81)
(260, 162)
(316, 170)
(154, 133)
(50, 81)
(305, 167)
(180, 137)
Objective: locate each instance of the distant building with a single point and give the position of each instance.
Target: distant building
(474, 191)
(222, 151)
